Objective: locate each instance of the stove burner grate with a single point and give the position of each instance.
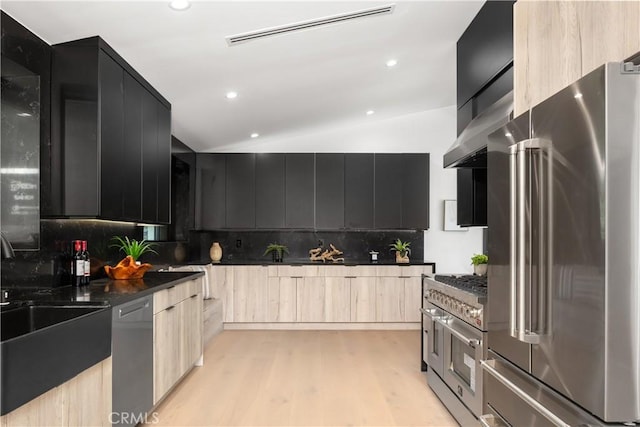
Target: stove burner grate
(475, 284)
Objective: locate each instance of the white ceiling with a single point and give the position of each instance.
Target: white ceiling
(291, 83)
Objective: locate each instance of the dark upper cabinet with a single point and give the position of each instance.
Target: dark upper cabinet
(330, 191)
(240, 208)
(110, 137)
(484, 49)
(149, 158)
(358, 191)
(388, 191)
(270, 190)
(472, 197)
(299, 190)
(131, 164)
(415, 191)
(210, 210)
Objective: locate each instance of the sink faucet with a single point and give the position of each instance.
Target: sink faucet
(7, 249)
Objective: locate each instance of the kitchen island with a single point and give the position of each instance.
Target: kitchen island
(176, 346)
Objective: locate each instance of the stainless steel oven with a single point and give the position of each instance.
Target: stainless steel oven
(434, 338)
(463, 351)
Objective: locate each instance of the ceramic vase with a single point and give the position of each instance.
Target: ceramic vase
(402, 259)
(215, 252)
(480, 269)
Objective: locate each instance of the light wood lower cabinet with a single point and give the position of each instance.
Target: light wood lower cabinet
(320, 294)
(281, 299)
(84, 400)
(177, 335)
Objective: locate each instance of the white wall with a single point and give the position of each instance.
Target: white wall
(430, 131)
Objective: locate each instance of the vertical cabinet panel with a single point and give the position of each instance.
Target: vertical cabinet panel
(111, 136)
(330, 191)
(337, 306)
(131, 164)
(388, 191)
(299, 193)
(210, 191)
(166, 358)
(415, 191)
(363, 299)
(310, 299)
(149, 157)
(270, 190)
(250, 294)
(358, 191)
(240, 193)
(390, 299)
(412, 299)
(163, 163)
(281, 301)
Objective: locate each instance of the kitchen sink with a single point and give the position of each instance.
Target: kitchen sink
(44, 345)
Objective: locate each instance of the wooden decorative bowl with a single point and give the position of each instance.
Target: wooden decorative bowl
(127, 269)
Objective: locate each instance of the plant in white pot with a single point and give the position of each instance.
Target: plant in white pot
(480, 262)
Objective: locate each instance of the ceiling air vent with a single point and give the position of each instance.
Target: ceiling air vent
(305, 25)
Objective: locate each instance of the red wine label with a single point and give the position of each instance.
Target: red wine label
(87, 269)
(79, 267)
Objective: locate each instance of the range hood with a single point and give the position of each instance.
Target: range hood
(470, 149)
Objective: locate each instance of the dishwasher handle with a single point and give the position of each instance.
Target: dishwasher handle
(127, 311)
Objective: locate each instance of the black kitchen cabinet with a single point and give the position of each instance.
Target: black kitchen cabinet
(358, 190)
(388, 191)
(240, 208)
(415, 191)
(299, 190)
(131, 164)
(108, 124)
(270, 190)
(210, 211)
(330, 191)
(484, 49)
(472, 197)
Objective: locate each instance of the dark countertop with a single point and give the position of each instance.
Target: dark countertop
(307, 262)
(105, 291)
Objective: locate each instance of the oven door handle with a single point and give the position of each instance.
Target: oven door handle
(471, 342)
(430, 314)
(489, 366)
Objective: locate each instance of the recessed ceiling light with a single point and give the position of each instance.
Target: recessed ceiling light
(232, 95)
(392, 63)
(24, 115)
(577, 95)
(179, 4)
(255, 135)
(508, 135)
(370, 112)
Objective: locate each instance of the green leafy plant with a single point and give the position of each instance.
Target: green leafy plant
(132, 247)
(277, 249)
(401, 247)
(478, 259)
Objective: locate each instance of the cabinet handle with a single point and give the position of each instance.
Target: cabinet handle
(404, 277)
(193, 296)
(171, 287)
(171, 307)
(350, 277)
(295, 277)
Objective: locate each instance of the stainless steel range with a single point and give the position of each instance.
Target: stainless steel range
(454, 327)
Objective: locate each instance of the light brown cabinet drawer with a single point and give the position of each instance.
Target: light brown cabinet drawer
(172, 296)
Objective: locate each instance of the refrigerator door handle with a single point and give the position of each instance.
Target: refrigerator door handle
(520, 307)
(489, 367)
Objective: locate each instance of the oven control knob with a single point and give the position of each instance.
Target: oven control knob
(475, 313)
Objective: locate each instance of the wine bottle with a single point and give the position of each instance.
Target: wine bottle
(77, 273)
(87, 263)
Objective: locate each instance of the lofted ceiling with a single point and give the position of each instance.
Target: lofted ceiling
(292, 83)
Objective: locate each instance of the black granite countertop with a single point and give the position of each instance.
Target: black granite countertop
(307, 262)
(105, 291)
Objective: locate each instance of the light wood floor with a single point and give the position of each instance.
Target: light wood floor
(307, 378)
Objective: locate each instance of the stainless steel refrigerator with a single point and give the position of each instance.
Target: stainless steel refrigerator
(564, 251)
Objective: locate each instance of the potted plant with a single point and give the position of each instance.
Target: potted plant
(480, 262)
(402, 251)
(129, 267)
(132, 248)
(277, 251)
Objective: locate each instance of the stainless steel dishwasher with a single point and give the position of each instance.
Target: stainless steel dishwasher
(132, 358)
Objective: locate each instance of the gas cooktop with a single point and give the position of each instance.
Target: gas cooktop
(470, 283)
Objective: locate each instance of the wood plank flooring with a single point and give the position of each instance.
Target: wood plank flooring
(307, 378)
